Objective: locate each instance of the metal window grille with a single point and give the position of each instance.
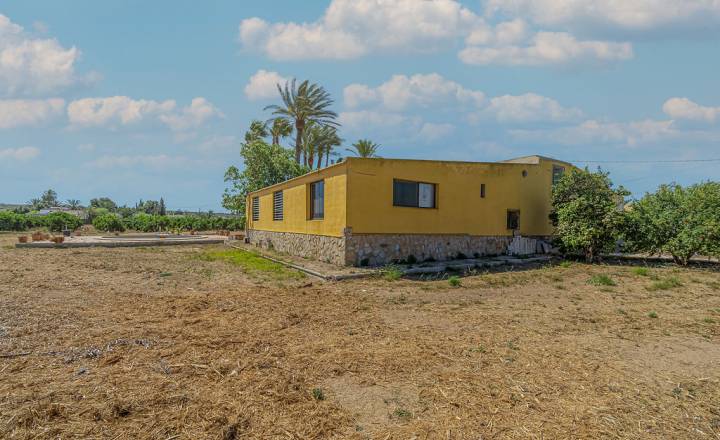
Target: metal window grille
(278, 205)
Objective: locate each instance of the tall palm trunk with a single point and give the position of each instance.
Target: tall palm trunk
(275, 140)
(319, 161)
(299, 129)
(327, 157)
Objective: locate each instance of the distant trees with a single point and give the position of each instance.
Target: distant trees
(280, 129)
(73, 203)
(47, 199)
(587, 212)
(103, 202)
(364, 148)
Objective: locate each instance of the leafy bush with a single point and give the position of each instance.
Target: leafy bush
(57, 221)
(10, 221)
(153, 223)
(108, 223)
(678, 221)
(454, 281)
(585, 212)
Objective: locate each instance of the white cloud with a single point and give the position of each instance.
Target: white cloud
(33, 65)
(530, 107)
(683, 108)
(19, 112)
(19, 154)
(592, 132)
(215, 144)
(352, 28)
(263, 85)
(629, 15)
(159, 161)
(414, 93)
(197, 114)
(546, 48)
(119, 111)
(402, 92)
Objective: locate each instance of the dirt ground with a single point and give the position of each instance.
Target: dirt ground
(168, 343)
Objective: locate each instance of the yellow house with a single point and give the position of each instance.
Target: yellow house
(376, 211)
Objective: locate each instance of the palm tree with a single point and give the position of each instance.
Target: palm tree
(257, 131)
(318, 140)
(303, 104)
(73, 203)
(364, 148)
(280, 128)
(332, 141)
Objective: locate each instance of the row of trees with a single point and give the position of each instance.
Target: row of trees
(592, 217)
(97, 206)
(153, 223)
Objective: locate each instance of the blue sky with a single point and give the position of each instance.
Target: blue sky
(134, 99)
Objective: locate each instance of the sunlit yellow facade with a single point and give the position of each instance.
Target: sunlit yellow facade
(463, 198)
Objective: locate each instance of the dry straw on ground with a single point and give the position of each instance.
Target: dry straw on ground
(160, 344)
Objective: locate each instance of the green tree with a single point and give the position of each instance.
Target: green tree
(161, 208)
(257, 131)
(48, 199)
(108, 223)
(682, 222)
(319, 141)
(280, 129)
(73, 203)
(103, 202)
(265, 165)
(587, 212)
(303, 104)
(364, 148)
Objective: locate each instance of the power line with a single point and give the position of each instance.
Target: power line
(646, 161)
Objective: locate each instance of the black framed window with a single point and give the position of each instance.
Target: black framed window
(317, 200)
(413, 194)
(482, 190)
(513, 219)
(278, 205)
(256, 208)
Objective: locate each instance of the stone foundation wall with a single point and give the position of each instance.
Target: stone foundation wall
(317, 247)
(379, 249)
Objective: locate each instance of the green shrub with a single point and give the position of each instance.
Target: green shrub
(642, 271)
(601, 280)
(665, 284)
(10, 221)
(454, 281)
(392, 273)
(57, 221)
(108, 223)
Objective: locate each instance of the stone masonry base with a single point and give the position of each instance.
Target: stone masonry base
(316, 247)
(380, 249)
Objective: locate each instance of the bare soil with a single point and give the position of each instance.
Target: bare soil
(161, 343)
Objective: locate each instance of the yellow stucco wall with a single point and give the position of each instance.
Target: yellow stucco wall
(296, 200)
(359, 195)
(460, 209)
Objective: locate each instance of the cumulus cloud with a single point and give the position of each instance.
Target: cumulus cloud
(20, 112)
(592, 132)
(352, 28)
(263, 85)
(117, 111)
(401, 92)
(19, 154)
(546, 48)
(359, 121)
(612, 15)
(31, 66)
(410, 94)
(197, 114)
(530, 107)
(683, 108)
